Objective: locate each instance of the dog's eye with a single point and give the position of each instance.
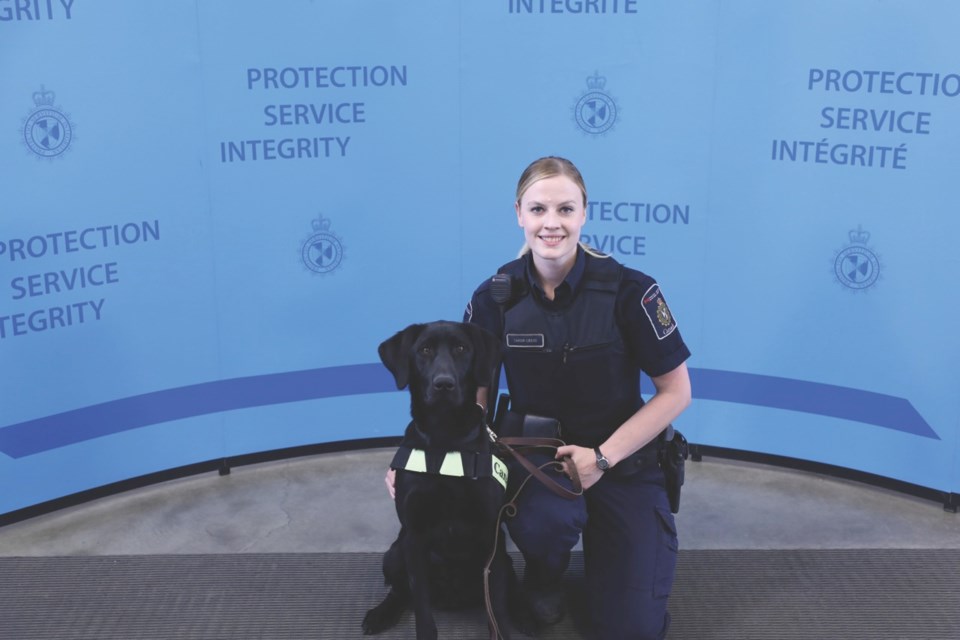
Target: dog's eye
(459, 348)
(424, 351)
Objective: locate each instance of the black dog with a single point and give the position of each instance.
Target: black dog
(449, 487)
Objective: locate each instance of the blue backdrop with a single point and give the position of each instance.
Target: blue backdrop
(213, 212)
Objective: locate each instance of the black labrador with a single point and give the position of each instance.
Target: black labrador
(449, 488)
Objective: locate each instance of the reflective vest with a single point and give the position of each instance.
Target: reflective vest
(458, 464)
(571, 363)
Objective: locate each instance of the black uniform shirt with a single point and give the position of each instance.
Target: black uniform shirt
(646, 323)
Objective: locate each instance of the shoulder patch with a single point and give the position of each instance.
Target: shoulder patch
(658, 313)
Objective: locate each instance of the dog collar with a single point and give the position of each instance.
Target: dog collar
(457, 464)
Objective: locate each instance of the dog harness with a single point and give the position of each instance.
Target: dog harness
(457, 464)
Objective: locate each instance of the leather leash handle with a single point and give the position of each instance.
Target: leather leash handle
(532, 442)
(503, 444)
(536, 472)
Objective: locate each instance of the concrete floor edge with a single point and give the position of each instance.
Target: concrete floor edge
(336, 502)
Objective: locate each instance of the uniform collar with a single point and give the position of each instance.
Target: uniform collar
(565, 291)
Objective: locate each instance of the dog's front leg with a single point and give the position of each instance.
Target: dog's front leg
(508, 602)
(387, 614)
(415, 553)
(502, 592)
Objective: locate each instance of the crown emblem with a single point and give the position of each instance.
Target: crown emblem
(596, 82)
(47, 132)
(322, 252)
(856, 266)
(595, 111)
(321, 223)
(859, 236)
(44, 98)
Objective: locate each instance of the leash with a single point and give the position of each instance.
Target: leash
(510, 507)
(566, 465)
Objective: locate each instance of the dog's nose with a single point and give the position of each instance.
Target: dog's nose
(444, 383)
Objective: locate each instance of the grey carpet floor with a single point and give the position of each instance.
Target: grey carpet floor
(736, 595)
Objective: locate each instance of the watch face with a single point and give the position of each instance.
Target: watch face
(602, 463)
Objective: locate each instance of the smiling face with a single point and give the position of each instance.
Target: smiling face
(551, 212)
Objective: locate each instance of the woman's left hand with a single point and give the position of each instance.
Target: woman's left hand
(585, 460)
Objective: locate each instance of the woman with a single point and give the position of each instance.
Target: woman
(577, 330)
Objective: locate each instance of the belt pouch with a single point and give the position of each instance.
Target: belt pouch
(540, 427)
(528, 425)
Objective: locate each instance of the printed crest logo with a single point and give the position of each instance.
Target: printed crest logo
(322, 250)
(47, 132)
(595, 112)
(658, 313)
(663, 313)
(857, 266)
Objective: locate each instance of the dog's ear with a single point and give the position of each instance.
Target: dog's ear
(486, 348)
(395, 353)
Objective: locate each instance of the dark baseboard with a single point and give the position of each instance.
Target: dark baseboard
(950, 501)
(220, 465)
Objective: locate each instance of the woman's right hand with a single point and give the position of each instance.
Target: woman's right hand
(391, 481)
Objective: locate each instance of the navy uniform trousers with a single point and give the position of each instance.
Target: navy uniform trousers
(629, 546)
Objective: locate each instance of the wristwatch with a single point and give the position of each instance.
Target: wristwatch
(602, 463)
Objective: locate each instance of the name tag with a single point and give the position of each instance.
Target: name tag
(525, 340)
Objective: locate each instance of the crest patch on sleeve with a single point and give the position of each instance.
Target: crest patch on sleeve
(658, 313)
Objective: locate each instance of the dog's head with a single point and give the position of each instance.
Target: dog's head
(442, 362)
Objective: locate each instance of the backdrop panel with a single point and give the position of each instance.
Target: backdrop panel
(213, 212)
(828, 222)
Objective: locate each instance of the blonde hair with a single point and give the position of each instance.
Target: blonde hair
(551, 167)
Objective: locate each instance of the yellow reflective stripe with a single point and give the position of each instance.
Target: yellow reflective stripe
(417, 461)
(500, 471)
(452, 464)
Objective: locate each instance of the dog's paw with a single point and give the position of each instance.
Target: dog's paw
(523, 619)
(383, 616)
(376, 621)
